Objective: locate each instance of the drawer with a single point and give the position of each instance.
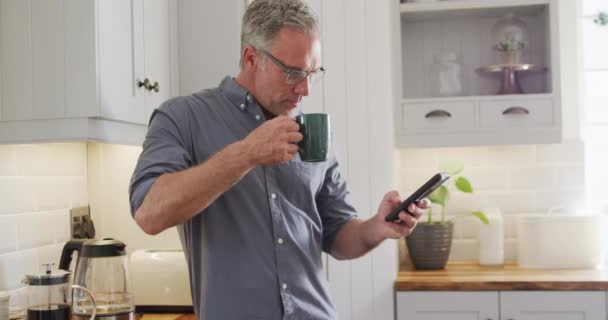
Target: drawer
(438, 117)
(521, 113)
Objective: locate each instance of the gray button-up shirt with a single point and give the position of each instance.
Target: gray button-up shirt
(255, 252)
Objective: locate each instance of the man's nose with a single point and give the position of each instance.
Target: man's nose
(302, 88)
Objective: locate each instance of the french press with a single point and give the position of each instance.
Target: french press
(49, 295)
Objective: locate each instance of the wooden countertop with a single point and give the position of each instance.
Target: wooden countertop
(168, 316)
(469, 276)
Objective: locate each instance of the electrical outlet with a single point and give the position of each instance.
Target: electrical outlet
(81, 224)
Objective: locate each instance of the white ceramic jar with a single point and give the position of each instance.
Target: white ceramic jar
(491, 239)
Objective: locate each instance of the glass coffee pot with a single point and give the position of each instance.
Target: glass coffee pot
(49, 295)
(102, 268)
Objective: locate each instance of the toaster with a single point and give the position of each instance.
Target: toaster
(160, 281)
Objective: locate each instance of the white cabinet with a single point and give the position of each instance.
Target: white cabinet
(134, 58)
(84, 69)
(503, 305)
(440, 305)
(561, 305)
(479, 109)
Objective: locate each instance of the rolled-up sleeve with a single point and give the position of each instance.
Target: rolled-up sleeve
(165, 150)
(333, 205)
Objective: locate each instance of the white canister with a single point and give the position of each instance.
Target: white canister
(491, 239)
(4, 305)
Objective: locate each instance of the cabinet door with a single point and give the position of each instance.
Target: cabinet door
(449, 305)
(120, 60)
(158, 48)
(31, 41)
(553, 305)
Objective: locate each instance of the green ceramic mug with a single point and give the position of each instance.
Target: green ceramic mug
(315, 127)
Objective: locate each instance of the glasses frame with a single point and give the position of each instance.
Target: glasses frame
(295, 76)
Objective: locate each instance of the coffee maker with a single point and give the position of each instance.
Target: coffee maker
(49, 295)
(102, 268)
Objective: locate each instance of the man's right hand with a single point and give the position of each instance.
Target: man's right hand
(275, 141)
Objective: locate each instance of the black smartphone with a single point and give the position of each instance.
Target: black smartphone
(422, 192)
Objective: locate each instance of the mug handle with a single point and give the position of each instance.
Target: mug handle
(302, 123)
(75, 286)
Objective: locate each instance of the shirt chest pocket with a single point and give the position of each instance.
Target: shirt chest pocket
(302, 180)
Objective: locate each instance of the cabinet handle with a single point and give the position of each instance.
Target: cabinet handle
(145, 84)
(515, 110)
(155, 87)
(148, 86)
(438, 114)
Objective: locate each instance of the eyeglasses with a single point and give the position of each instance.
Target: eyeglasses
(295, 76)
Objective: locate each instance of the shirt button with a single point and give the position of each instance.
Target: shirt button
(284, 286)
(280, 240)
(257, 117)
(242, 106)
(248, 98)
(274, 196)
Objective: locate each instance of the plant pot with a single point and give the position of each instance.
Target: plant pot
(429, 245)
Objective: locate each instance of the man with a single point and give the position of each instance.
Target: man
(222, 166)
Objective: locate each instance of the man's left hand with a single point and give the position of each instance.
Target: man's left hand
(407, 220)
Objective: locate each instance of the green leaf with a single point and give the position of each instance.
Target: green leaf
(439, 196)
(463, 185)
(481, 217)
(451, 167)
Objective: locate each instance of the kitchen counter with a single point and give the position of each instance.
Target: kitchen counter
(168, 316)
(469, 276)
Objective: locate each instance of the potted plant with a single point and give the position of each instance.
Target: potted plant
(430, 243)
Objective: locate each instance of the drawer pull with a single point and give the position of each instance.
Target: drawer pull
(438, 114)
(515, 110)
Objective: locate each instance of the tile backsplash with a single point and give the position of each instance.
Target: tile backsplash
(519, 179)
(38, 185)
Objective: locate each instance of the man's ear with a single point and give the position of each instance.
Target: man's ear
(250, 57)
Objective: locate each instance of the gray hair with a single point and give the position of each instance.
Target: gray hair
(264, 18)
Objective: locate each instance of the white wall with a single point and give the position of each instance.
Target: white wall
(595, 76)
(520, 179)
(38, 185)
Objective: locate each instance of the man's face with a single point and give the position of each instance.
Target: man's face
(294, 50)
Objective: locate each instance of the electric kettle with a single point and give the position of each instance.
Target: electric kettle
(102, 268)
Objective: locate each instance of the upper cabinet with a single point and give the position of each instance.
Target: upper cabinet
(84, 69)
(478, 72)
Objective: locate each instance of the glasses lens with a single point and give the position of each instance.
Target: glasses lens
(295, 77)
(313, 78)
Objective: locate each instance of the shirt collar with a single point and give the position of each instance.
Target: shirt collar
(237, 95)
(241, 98)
